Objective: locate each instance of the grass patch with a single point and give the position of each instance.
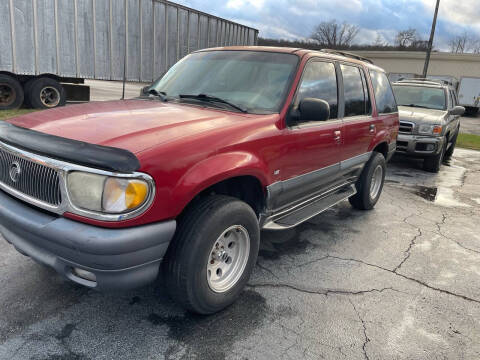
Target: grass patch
(468, 141)
(6, 114)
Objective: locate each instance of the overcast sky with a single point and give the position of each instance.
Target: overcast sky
(295, 19)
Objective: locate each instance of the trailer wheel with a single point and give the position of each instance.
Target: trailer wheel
(11, 93)
(45, 93)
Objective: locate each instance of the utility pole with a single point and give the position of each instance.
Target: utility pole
(430, 42)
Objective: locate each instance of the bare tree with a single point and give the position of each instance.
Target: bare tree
(379, 41)
(332, 34)
(459, 43)
(474, 45)
(406, 38)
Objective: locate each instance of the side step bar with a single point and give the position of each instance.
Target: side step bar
(293, 217)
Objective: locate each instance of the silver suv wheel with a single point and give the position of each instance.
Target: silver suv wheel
(228, 258)
(376, 184)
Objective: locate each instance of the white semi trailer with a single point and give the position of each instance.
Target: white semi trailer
(469, 94)
(48, 47)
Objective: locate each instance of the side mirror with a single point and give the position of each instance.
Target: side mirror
(144, 91)
(457, 110)
(311, 109)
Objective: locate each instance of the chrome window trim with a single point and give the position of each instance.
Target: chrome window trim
(63, 169)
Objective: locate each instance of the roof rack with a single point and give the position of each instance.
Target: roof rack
(347, 54)
(426, 81)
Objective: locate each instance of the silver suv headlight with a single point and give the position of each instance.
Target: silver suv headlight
(107, 194)
(427, 129)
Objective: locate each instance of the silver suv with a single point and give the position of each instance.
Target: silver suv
(429, 120)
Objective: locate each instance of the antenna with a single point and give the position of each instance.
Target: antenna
(125, 53)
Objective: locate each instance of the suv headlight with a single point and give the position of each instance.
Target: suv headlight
(426, 129)
(107, 194)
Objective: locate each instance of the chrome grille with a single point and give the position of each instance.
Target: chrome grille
(406, 127)
(33, 180)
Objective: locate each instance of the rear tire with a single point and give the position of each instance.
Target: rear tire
(45, 93)
(219, 232)
(370, 184)
(11, 93)
(433, 163)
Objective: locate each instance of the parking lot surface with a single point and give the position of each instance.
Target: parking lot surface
(470, 124)
(398, 282)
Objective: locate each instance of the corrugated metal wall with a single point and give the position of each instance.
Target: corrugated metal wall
(86, 38)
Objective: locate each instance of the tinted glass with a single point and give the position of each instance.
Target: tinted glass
(256, 81)
(420, 96)
(366, 91)
(354, 93)
(319, 81)
(383, 93)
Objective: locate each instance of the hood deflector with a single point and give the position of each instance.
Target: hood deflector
(74, 151)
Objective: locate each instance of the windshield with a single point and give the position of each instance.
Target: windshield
(255, 81)
(420, 96)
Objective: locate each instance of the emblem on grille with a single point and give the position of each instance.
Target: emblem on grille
(15, 171)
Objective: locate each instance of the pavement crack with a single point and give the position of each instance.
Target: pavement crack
(264, 268)
(367, 339)
(312, 261)
(324, 292)
(440, 232)
(419, 282)
(408, 251)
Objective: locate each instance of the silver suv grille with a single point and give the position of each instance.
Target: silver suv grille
(406, 127)
(30, 178)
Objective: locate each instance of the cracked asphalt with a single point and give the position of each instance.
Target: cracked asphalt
(398, 282)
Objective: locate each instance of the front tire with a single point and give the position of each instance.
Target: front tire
(432, 163)
(370, 184)
(212, 254)
(451, 149)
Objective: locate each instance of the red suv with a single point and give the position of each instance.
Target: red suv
(230, 141)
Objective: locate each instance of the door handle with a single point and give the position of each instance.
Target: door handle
(337, 135)
(372, 128)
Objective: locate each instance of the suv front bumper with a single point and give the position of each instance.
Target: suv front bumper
(421, 146)
(119, 259)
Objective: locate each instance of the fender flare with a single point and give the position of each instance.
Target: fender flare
(382, 136)
(215, 169)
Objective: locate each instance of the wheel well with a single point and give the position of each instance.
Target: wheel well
(382, 148)
(246, 188)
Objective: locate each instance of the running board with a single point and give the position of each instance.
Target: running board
(293, 217)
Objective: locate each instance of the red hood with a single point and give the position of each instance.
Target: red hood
(134, 125)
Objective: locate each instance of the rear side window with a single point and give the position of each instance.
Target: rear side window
(354, 91)
(383, 93)
(319, 81)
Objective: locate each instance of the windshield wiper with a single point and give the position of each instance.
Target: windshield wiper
(209, 98)
(414, 105)
(161, 94)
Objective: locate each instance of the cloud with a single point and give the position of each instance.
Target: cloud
(463, 13)
(296, 19)
(238, 4)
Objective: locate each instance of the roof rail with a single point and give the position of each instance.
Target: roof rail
(347, 54)
(427, 81)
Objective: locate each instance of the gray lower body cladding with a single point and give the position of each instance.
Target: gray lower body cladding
(120, 259)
